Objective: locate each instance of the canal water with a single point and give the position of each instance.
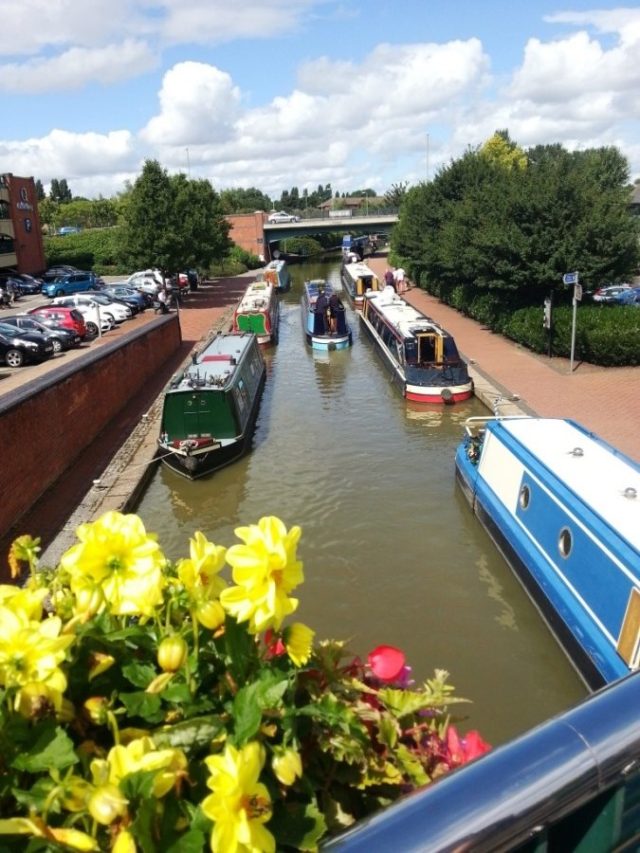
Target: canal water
(391, 550)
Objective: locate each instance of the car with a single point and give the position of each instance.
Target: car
(60, 316)
(607, 294)
(136, 300)
(120, 311)
(76, 282)
(92, 311)
(147, 281)
(62, 339)
(280, 216)
(628, 296)
(29, 284)
(18, 347)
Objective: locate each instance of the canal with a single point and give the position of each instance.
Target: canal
(392, 553)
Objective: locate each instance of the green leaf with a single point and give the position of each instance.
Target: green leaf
(192, 841)
(247, 713)
(178, 693)
(190, 734)
(53, 748)
(139, 674)
(145, 705)
(297, 825)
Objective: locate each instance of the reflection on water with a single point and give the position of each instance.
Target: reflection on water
(392, 552)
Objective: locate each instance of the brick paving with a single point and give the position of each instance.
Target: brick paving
(606, 400)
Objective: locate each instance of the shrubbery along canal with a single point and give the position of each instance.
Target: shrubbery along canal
(391, 551)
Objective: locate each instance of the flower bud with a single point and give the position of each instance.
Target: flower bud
(97, 708)
(287, 765)
(172, 653)
(107, 804)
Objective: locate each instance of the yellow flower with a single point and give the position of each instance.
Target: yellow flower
(287, 765)
(107, 804)
(298, 641)
(265, 570)
(24, 549)
(141, 754)
(239, 804)
(35, 701)
(116, 557)
(124, 843)
(199, 575)
(23, 599)
(31, 651)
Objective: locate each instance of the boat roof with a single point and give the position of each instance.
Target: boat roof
(215, 365)
(312, 288)
(605, 479)
(275, 265)
(402, 316)
(359, 269)
(256, 297)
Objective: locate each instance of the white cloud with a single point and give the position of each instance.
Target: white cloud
(77, 67)
(198, 105)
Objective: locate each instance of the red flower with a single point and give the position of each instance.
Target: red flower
(386, 662)
(464, 749)
(274, 644)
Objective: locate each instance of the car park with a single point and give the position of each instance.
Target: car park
(278, 216)
(18, 348)
(76, 282)
(60, 316)
(62, 339)
(98, 301)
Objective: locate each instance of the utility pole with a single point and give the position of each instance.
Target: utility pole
(188, 164)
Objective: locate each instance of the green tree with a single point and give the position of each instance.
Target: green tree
(203, 232)
(239, 200)
(40, 193)
(396, 194)
(59, 190)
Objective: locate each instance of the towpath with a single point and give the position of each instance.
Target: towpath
(606, 400)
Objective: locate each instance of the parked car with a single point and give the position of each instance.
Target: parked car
(62, 339)
(147, 281)
(136, 300)
(628, 296)
(119, 311)
(76, 282)
(608, 293)
(57, 270)
(280, 216)
(60, 316)
(29, 284)
(93, 313)
(17, 347)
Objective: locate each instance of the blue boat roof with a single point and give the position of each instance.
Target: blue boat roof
(215, 365)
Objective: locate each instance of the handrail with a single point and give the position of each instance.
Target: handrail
(512, 794)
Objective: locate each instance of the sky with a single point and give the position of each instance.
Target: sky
(281, 93)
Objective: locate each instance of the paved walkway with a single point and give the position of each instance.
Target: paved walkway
(606, 400)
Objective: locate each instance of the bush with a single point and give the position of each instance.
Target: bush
(151, 706)
(94, 249)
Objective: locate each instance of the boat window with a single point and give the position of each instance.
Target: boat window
(525, 496)
(411, 351)
(451, 353)
(565, 542)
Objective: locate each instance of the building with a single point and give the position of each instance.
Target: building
(21, 247)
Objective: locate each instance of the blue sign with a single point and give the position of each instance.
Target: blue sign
(570, 278)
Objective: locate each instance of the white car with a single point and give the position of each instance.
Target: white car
(92, 317)
(117, 310)
(147, 281)
(280, 216)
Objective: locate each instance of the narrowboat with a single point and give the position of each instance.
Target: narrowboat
(358, 278)
(422, 357)
(563, 507)
(258, 312)
(325, 327)
(277, 272)
(210, 408)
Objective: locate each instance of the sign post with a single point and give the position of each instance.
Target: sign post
(573, 278)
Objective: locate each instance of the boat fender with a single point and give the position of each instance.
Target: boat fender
(446, 395)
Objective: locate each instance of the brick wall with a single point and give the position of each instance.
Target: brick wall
(247, 232)
(46, 424)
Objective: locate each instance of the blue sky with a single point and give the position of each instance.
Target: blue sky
(282, 93)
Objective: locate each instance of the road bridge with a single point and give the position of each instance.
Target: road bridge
(373, 223)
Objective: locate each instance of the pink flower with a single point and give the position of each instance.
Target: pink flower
(464, 749)
(275, 646)
(386, 663)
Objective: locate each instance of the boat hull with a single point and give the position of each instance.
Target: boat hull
(328, 344)
(559, 542)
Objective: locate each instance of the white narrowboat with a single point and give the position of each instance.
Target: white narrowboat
(258, 312)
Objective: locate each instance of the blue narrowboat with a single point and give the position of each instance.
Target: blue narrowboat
(563, 507)
(210, 408)
(325, 327)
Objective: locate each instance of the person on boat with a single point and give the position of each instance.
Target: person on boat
(322, 307)
(335, 306)
(389, 280)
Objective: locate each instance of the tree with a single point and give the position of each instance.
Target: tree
(238, 200)
(172, 223)
(40, 193)
(396, 194)
(60, 191)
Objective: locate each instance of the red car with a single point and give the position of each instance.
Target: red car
(59, 315)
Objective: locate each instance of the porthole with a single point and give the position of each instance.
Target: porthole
(524, 497)
(565, 542)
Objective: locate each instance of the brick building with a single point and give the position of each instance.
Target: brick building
(247, 231)
(21, 248)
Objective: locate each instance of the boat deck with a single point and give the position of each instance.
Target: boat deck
(215, 365)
